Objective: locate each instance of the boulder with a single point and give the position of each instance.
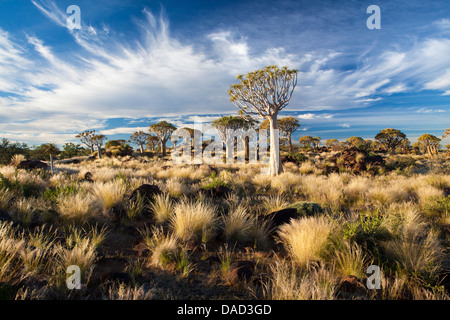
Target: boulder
(306, 209)
(147, 191)
(87, 177)
(32, 164)
(218, 192)
(352, 284)
(280, 217)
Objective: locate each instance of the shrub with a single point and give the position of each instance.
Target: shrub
(367, 231)
(305, 208)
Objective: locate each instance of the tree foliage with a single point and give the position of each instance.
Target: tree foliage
(140, 138)
(265, 93)
(162, 130)
(390, 138)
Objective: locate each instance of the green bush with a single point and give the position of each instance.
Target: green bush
(366, 231)
(53, 194)
(27, 189)
(437, 206)
(305, 208)
(213, 182)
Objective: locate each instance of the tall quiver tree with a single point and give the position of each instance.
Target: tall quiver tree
(51, 150)
(430, 143)
(86, 138)
(140, 138)
(264, 93)
(98, 140)
(288, 125)
(390, 138)
(162, 130)
(226, 123)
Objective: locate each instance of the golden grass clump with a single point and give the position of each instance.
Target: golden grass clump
(289, 283)
(162, 208)
(16, 159)
(237, 224)
(305, 238)
(109, 193)
(164, 248)
(194, 220)
(121, 291)
(78, 207)
(177, 188)
(417, 253)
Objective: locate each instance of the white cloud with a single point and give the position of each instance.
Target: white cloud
(311, 116)
(119, 130)
(156, 75)
(345, 125)
(429, 110)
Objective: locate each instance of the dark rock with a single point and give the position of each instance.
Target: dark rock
(351, 284)
(240, 271)
(306, 209)
(32, 164)
(147, 191)
(87, 177)
(4, 216)
(446, 191)
(218, 192)
(280, 217)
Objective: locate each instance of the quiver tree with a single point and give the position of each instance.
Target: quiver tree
(446, 133)
(332, 143)
(225, 124)
(98, 140)
(264, 93)
(430, 143)
(51, 150)
(306, 142)
(86, 138)
(162, 131)
(287, 126)
(152, 141)
(390, 138)
(140, 138)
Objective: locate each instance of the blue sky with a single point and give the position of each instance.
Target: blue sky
(134, 63)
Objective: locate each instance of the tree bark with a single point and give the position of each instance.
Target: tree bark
(51, 164)
(92, 149)
(275, 166)
(142, 148)
(99, 151)
(163, 148)
(290, 142)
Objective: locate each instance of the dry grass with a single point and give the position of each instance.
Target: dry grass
(109, 193)
(194, 220)
(416, 253)
(121, 291)
(237, 224)
(79, 207)
(162, 208)
(288, 283)
(305, 238)
(351, 260)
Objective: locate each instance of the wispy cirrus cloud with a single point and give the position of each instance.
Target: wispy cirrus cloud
(155, 75)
